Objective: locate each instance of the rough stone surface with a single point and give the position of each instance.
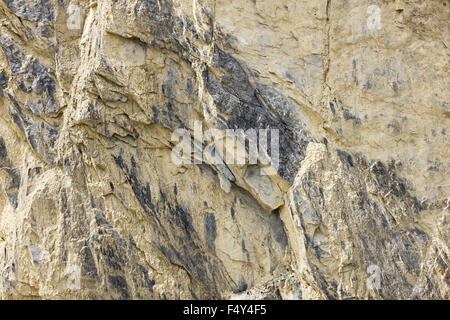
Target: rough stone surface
(92, 205)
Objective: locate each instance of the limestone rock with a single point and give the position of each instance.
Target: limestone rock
(263, 188)
(92, 205)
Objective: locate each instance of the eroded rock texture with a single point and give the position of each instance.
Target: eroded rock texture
(92, 205)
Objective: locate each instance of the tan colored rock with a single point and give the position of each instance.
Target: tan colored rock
(263, 188)
(93, 206)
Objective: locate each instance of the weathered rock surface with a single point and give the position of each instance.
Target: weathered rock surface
(93, 206)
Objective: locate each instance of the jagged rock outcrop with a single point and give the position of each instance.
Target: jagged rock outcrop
(93, 205)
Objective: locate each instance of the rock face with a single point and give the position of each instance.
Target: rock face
(93, 205)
